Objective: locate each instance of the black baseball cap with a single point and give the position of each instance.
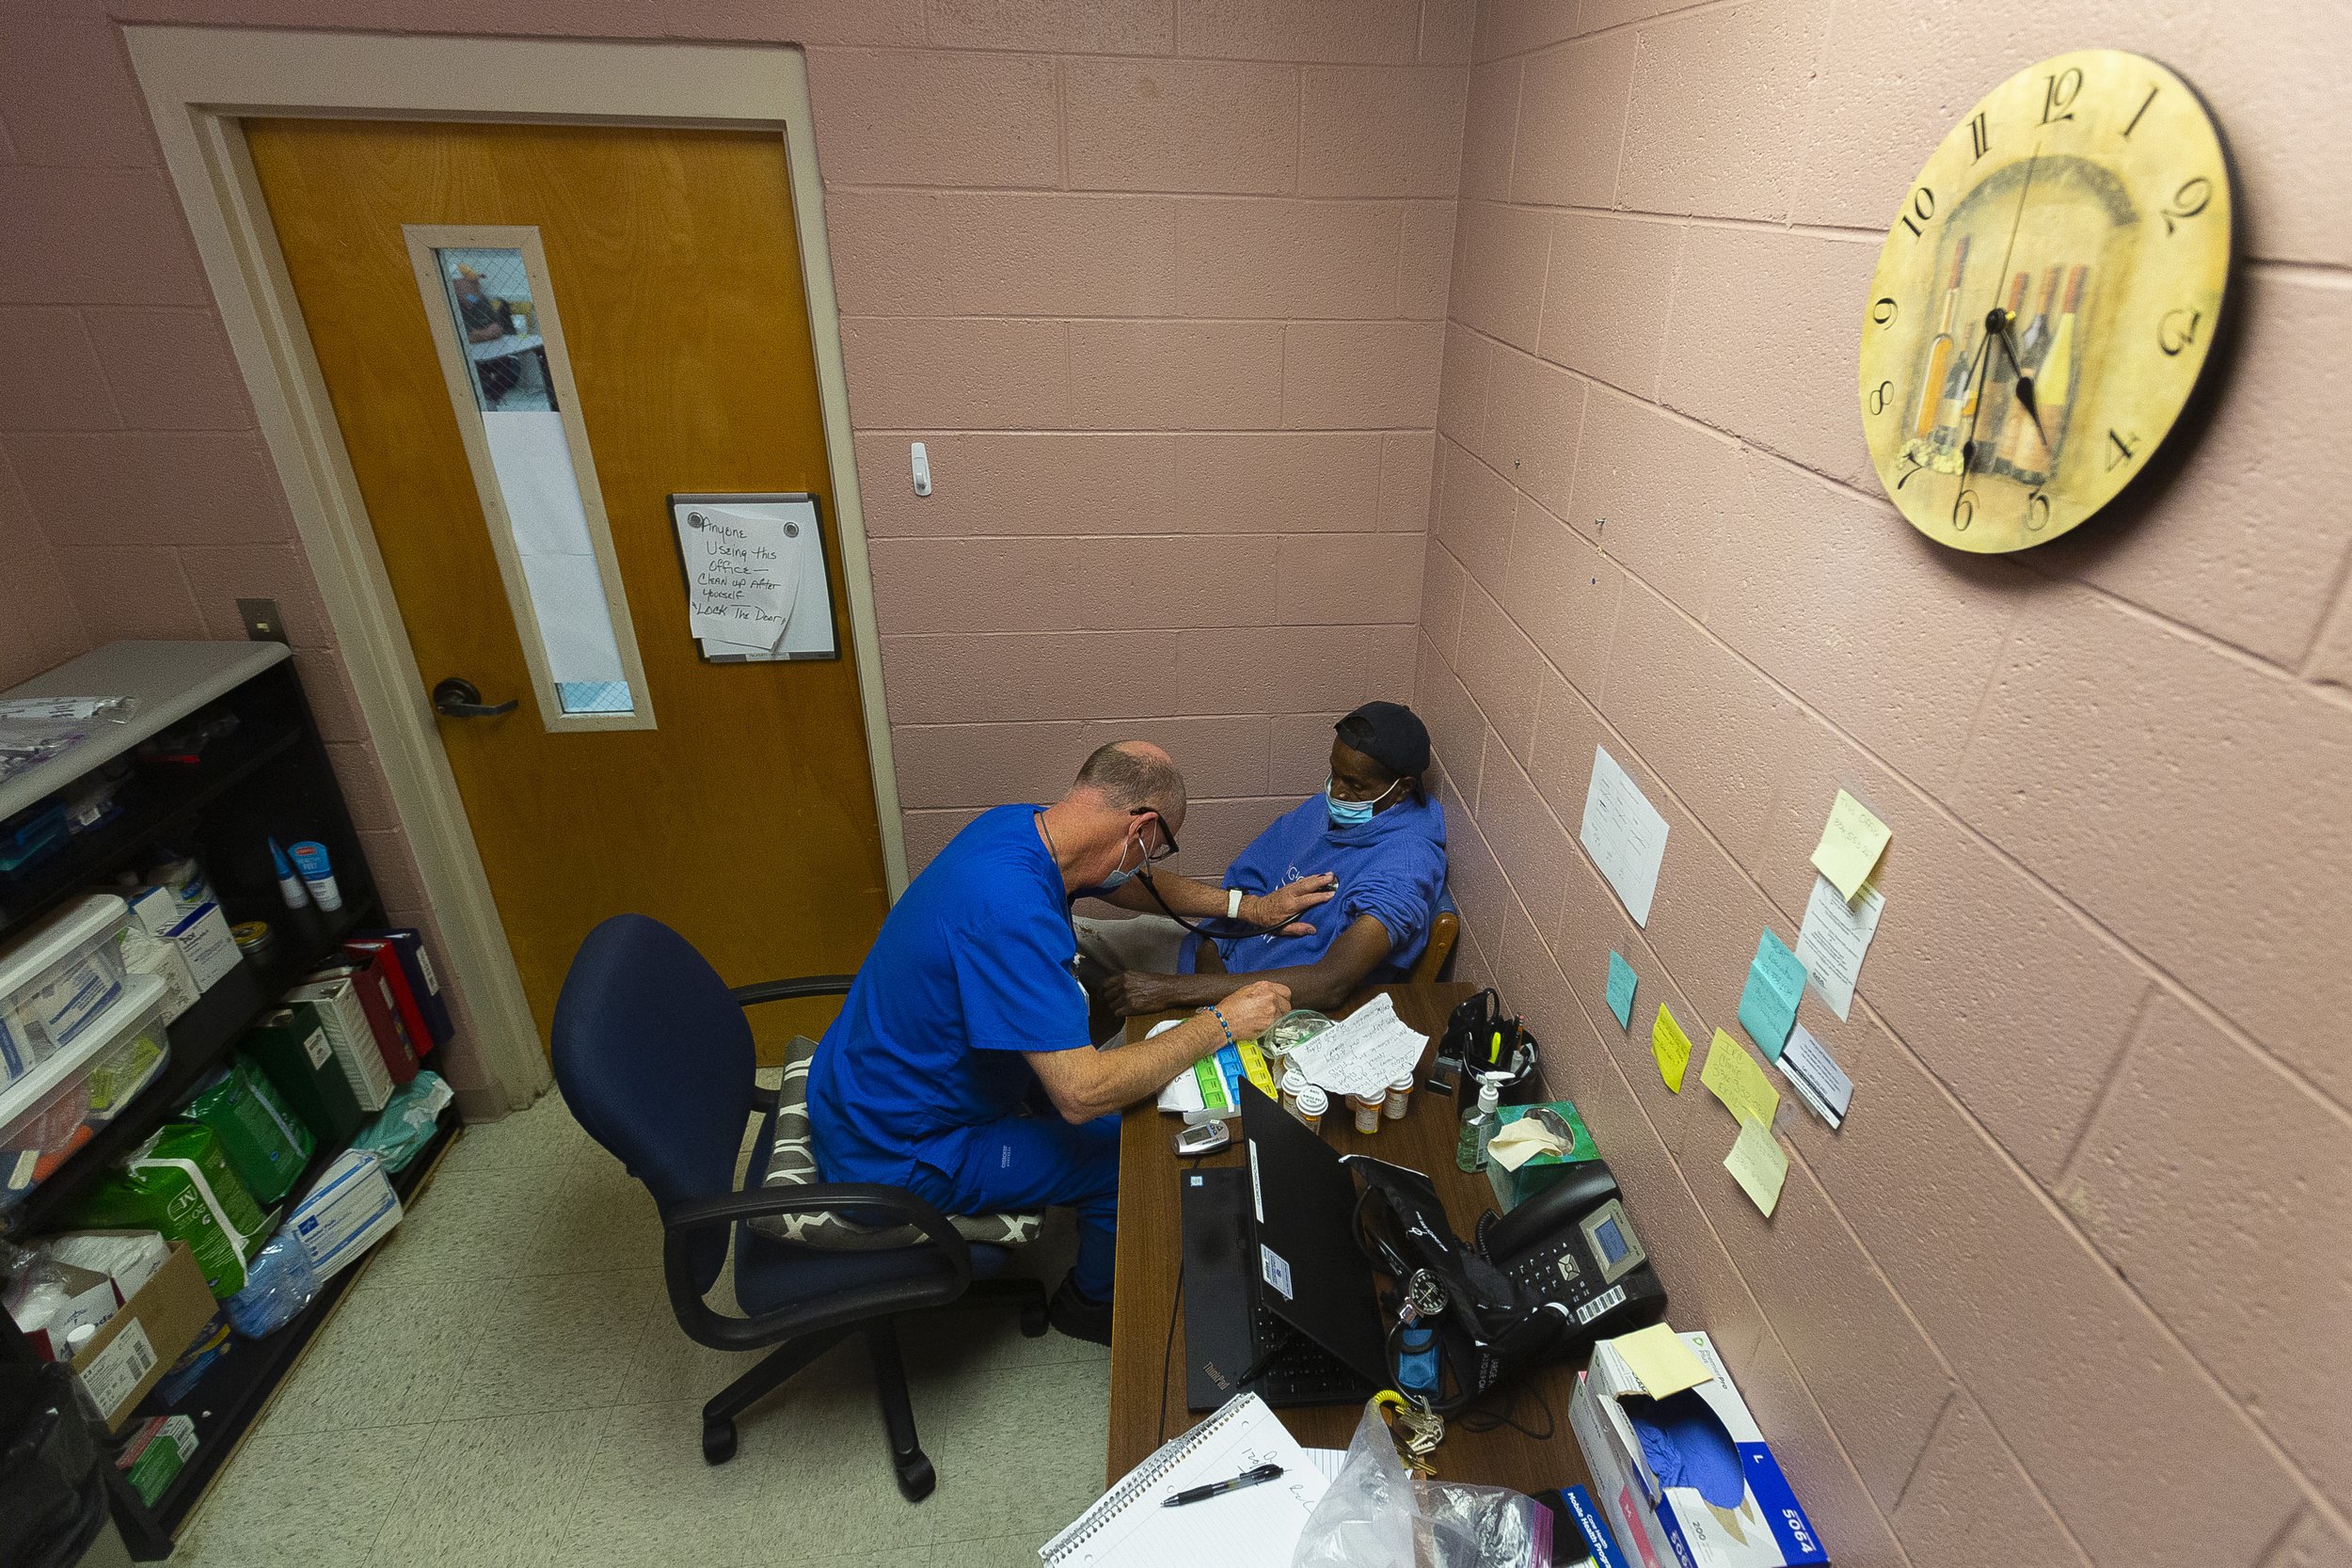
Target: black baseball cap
(1390, 734)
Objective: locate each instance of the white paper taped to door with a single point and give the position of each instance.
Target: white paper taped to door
(742, 571)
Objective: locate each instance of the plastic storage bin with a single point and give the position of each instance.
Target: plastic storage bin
(85, 1084)
(57, 979)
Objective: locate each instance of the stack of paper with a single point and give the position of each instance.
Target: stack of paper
(1364, 1053)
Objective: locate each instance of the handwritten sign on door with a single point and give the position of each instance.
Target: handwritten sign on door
(755, 580)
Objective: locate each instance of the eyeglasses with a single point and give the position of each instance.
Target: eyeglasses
(1168, 851)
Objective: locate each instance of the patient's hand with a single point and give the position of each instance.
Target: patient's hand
(1285, 904)
(1128, 991)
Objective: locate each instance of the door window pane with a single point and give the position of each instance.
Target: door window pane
(489, 296)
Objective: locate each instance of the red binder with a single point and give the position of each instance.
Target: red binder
(387, 958)
(375, 999)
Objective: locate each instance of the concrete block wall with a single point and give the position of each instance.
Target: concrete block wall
(1162, 288)
(2070, 1285)
(1162, 283)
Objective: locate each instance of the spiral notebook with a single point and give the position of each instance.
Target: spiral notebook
(1257, 1526)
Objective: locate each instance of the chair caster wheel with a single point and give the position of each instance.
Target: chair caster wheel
(1033, 1318)
(718, 1442)
(915, 1476)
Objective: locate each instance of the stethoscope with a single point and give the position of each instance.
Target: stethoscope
(1143, 873)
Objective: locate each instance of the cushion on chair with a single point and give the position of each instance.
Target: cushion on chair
(792, 1162)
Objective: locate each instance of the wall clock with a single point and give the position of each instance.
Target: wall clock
(2046, 300)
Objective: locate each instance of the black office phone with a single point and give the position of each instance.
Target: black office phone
(1573, 1243)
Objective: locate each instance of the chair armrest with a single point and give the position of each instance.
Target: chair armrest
(783, 990)
(764, 1100)
(681, 1221)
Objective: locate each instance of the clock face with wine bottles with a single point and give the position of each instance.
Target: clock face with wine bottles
(2046, 300)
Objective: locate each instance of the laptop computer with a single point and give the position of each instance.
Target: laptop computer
(1278, 1296)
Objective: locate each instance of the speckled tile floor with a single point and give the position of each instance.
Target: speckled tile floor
(506, 1387)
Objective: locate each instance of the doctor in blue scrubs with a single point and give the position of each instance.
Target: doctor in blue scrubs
(968, 1017)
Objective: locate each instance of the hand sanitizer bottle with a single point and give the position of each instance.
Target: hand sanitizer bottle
(1478, 1130)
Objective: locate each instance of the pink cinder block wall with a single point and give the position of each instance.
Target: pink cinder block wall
(1162, 288)
(2073, 1283)
(1162, 285)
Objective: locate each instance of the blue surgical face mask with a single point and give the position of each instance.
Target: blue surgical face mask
(1352, 814)
(1121, 873)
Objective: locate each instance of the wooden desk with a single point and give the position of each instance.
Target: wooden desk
(1149, 1247)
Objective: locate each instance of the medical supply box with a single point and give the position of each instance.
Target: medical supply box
(55, 979)
(130, 1353)
(81, 1087)
(1722, 1500)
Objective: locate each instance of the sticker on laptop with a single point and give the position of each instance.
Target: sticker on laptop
(1277, 1271)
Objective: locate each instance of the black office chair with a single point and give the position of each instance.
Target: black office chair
(655, 1059)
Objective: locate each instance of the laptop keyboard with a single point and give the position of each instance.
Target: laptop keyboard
(1300, 1371)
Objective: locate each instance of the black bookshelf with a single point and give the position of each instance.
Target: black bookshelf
(269, 776)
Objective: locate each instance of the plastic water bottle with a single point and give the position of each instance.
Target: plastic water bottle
(1478, 1130)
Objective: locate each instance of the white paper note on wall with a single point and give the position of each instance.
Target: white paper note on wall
(742, 573)
(1835, 937)
(1624, 834)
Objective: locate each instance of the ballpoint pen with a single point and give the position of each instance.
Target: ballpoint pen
(1247, 1478)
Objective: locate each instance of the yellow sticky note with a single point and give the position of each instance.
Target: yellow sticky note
(1850, 845)
(1661, 1360)
(1738, 1082)
(1759, 1164)
(1671, 1047)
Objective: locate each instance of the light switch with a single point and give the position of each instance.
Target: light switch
(922, 471)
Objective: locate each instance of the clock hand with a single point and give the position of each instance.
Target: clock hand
(2025, 398)
(1968, 447)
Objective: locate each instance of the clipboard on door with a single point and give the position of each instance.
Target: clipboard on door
(756, 577)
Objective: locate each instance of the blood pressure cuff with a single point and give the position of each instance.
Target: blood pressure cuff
(1492, 1327)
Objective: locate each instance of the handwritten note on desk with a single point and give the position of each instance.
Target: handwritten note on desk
(1362, 1053)
(1624, 834)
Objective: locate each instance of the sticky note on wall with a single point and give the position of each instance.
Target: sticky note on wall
(1852, 843)
(1759, 1164)
(1670, 1047)
(1768, 1005)
(1738, 1082)
(1622, 982)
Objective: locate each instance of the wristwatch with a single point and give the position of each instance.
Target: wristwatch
(1232, 903)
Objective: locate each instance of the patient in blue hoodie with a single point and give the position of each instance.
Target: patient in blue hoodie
(1336, 893)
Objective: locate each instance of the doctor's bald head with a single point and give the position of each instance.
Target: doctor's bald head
(1135, 775)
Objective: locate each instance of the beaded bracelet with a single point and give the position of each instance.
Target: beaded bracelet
(1219, 1015)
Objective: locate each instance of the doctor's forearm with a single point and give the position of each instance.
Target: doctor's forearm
(1194, 900)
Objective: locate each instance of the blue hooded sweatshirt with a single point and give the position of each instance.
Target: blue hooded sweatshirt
(1393, 869)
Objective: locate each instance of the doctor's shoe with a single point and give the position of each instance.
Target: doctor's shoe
(1078, 1317)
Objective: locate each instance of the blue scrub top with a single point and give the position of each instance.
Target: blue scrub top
(1391, 867)
(974, 966)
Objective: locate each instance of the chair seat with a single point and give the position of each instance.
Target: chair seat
(787, 1158)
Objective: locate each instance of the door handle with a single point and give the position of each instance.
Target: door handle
(459, 698)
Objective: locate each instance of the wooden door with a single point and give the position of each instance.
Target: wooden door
(744, 816)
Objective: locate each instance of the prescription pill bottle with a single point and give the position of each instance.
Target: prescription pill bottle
(1293, 1082)
(1368, 1107)
(1311, 1104)
(1400, 1098)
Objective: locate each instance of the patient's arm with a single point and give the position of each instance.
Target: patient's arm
(1322, 985)
(1199, 901)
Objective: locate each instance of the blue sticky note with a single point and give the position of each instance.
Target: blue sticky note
(1768, 1007)
(1621, 983)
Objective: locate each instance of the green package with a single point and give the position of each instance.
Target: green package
(266, 1146)
(179, 1182)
